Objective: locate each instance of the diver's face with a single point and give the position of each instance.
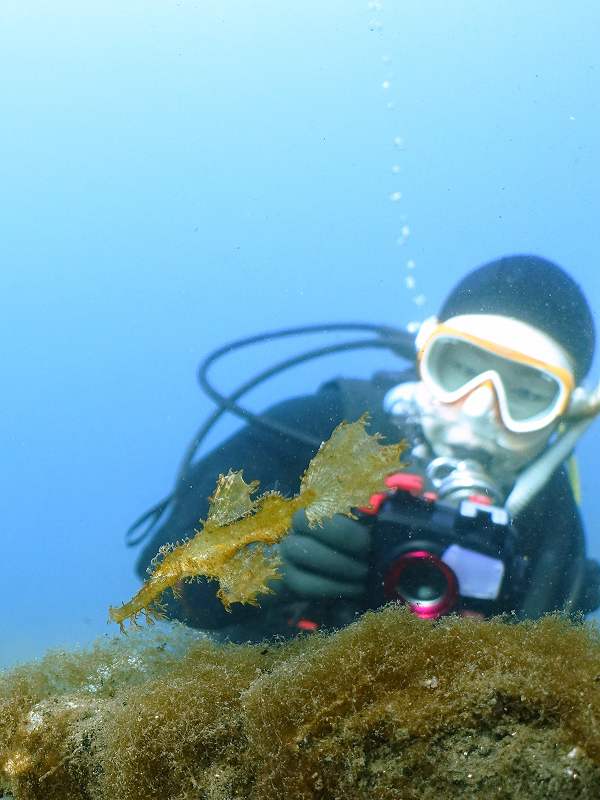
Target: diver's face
(480, 398)
(472, 427)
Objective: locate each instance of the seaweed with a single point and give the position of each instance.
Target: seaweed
(391, 706)
(234, 544)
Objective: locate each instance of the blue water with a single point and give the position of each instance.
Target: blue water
(177, 174)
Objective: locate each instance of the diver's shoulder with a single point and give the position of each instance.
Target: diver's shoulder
(355, 396)
(377, 385)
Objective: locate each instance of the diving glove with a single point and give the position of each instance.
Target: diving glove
(328, 561)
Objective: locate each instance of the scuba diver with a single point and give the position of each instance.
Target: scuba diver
(482, 520)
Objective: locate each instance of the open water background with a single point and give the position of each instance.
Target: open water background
(178, 174)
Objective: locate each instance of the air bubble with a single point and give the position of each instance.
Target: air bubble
(405, 231)
(386, 84)
(375, 25)
(396, 168)
(411, 264)
(410, 282)
(419, 300)
(413, 326)
(398, 141)
(395, 197)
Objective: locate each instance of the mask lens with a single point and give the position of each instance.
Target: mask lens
(530, 392)
(452, 363)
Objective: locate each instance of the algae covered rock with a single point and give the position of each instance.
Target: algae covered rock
(390, 707)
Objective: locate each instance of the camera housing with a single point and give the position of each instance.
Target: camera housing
(440, 558)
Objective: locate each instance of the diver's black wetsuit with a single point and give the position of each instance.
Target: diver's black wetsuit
(278, 463)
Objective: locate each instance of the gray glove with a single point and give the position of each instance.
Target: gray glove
(327, 561)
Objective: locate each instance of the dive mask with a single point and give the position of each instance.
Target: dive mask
(532, 391)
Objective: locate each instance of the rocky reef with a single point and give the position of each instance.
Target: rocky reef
(390, 707)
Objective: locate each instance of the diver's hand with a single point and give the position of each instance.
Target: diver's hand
(327, 561)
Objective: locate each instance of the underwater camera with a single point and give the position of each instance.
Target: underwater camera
(439, 558)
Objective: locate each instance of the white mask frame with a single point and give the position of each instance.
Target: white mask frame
(434, 333)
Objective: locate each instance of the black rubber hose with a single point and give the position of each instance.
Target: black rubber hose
(229, 403)
(400, 342)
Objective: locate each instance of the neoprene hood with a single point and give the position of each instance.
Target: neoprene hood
(535, 291)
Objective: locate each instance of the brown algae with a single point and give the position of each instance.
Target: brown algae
(390, 707)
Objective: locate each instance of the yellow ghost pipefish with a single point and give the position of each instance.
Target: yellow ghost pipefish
(231, 545)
